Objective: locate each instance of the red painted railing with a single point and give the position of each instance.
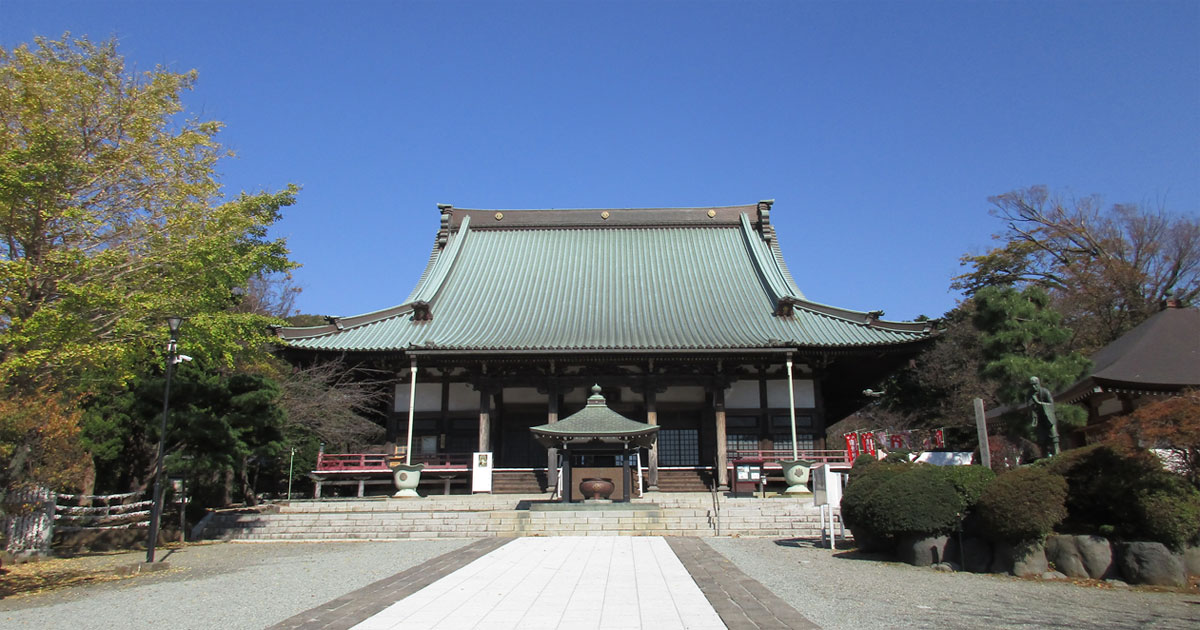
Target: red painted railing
(779, 455)
(351, 462)
(378, 462)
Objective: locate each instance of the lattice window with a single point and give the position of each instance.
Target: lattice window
(783, 441)
(678, 447)
(741, 433)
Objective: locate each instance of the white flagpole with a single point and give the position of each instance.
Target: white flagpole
(792, 408)
(412, 404)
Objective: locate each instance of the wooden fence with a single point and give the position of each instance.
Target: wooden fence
(28, 520)
(33, 515)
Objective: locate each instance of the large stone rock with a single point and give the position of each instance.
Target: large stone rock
(975, 554)
(1150, 563)
(922, 551)
(1097, 554)
(1081, 556)
(1191, 561)
(1021, 559)
(1061, 552)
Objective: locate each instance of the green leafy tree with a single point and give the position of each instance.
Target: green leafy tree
(1106, 269)
(937, 388)
(1022, 336)
(111, 218)
(988, 348)
(39, 444)
(217, 425)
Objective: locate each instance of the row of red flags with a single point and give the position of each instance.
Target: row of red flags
(869, 442)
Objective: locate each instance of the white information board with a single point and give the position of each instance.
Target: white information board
(481, 472)
(827, 485)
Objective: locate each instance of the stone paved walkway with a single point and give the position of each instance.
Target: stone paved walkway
(568, 582)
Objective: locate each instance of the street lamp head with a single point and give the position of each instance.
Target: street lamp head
(173, 323)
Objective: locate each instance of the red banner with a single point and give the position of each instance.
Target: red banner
(897, 441)
(868, 444)
(851, 446)
(939, 439)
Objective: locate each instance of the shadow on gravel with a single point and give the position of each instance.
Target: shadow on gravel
(849, 554)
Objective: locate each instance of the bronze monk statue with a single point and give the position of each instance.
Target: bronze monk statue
(1044, 419)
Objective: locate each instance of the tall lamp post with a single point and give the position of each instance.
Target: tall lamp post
(156, 514)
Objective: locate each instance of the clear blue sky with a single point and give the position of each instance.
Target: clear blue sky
(880, 128)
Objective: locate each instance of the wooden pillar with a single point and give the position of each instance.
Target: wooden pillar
(552, 453)
(820, 419)
(652, 420)
(626, 481)
(722, 453)
(485, 420)
(567, 489)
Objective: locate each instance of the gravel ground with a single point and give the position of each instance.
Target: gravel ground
(845, 591)
(232, 586)
(224, 585)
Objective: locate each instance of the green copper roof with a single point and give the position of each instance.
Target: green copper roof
(595, 422)
(606, 280)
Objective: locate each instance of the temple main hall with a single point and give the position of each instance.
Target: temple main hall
(687, 318)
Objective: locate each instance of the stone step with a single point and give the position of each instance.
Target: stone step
(398, 519)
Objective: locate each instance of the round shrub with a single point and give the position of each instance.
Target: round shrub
(1126, 494)
(969, 481)
(920, 501)
(1169, 514)
(892, 500)
(1022, 505)
(865, 477)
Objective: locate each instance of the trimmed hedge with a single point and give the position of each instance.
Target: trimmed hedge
(1022, 505)
(1169, 516)
(1126, 494)
(886, 500)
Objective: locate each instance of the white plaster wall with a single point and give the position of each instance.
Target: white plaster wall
(742, 395)
(429, 396)
(524, 395)
(777, 393)
(1112, 405)
(683, 394)
(463, 397)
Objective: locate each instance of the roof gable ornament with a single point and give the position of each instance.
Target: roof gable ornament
(421, 311)
(786, 306)
(443, 235)
(597, 398)
(764, 219)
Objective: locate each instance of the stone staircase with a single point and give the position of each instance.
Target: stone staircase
(476, 516)
(684, 479)
(520, 481)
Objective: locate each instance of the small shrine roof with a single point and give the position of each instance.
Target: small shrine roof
(1161, 353)
(595, 422)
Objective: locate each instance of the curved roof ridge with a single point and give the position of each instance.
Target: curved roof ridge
(768, 273)
(777, 253)
(743, 205)
(865, 318)
(433, 258)
(725, 216)
(445, 262)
